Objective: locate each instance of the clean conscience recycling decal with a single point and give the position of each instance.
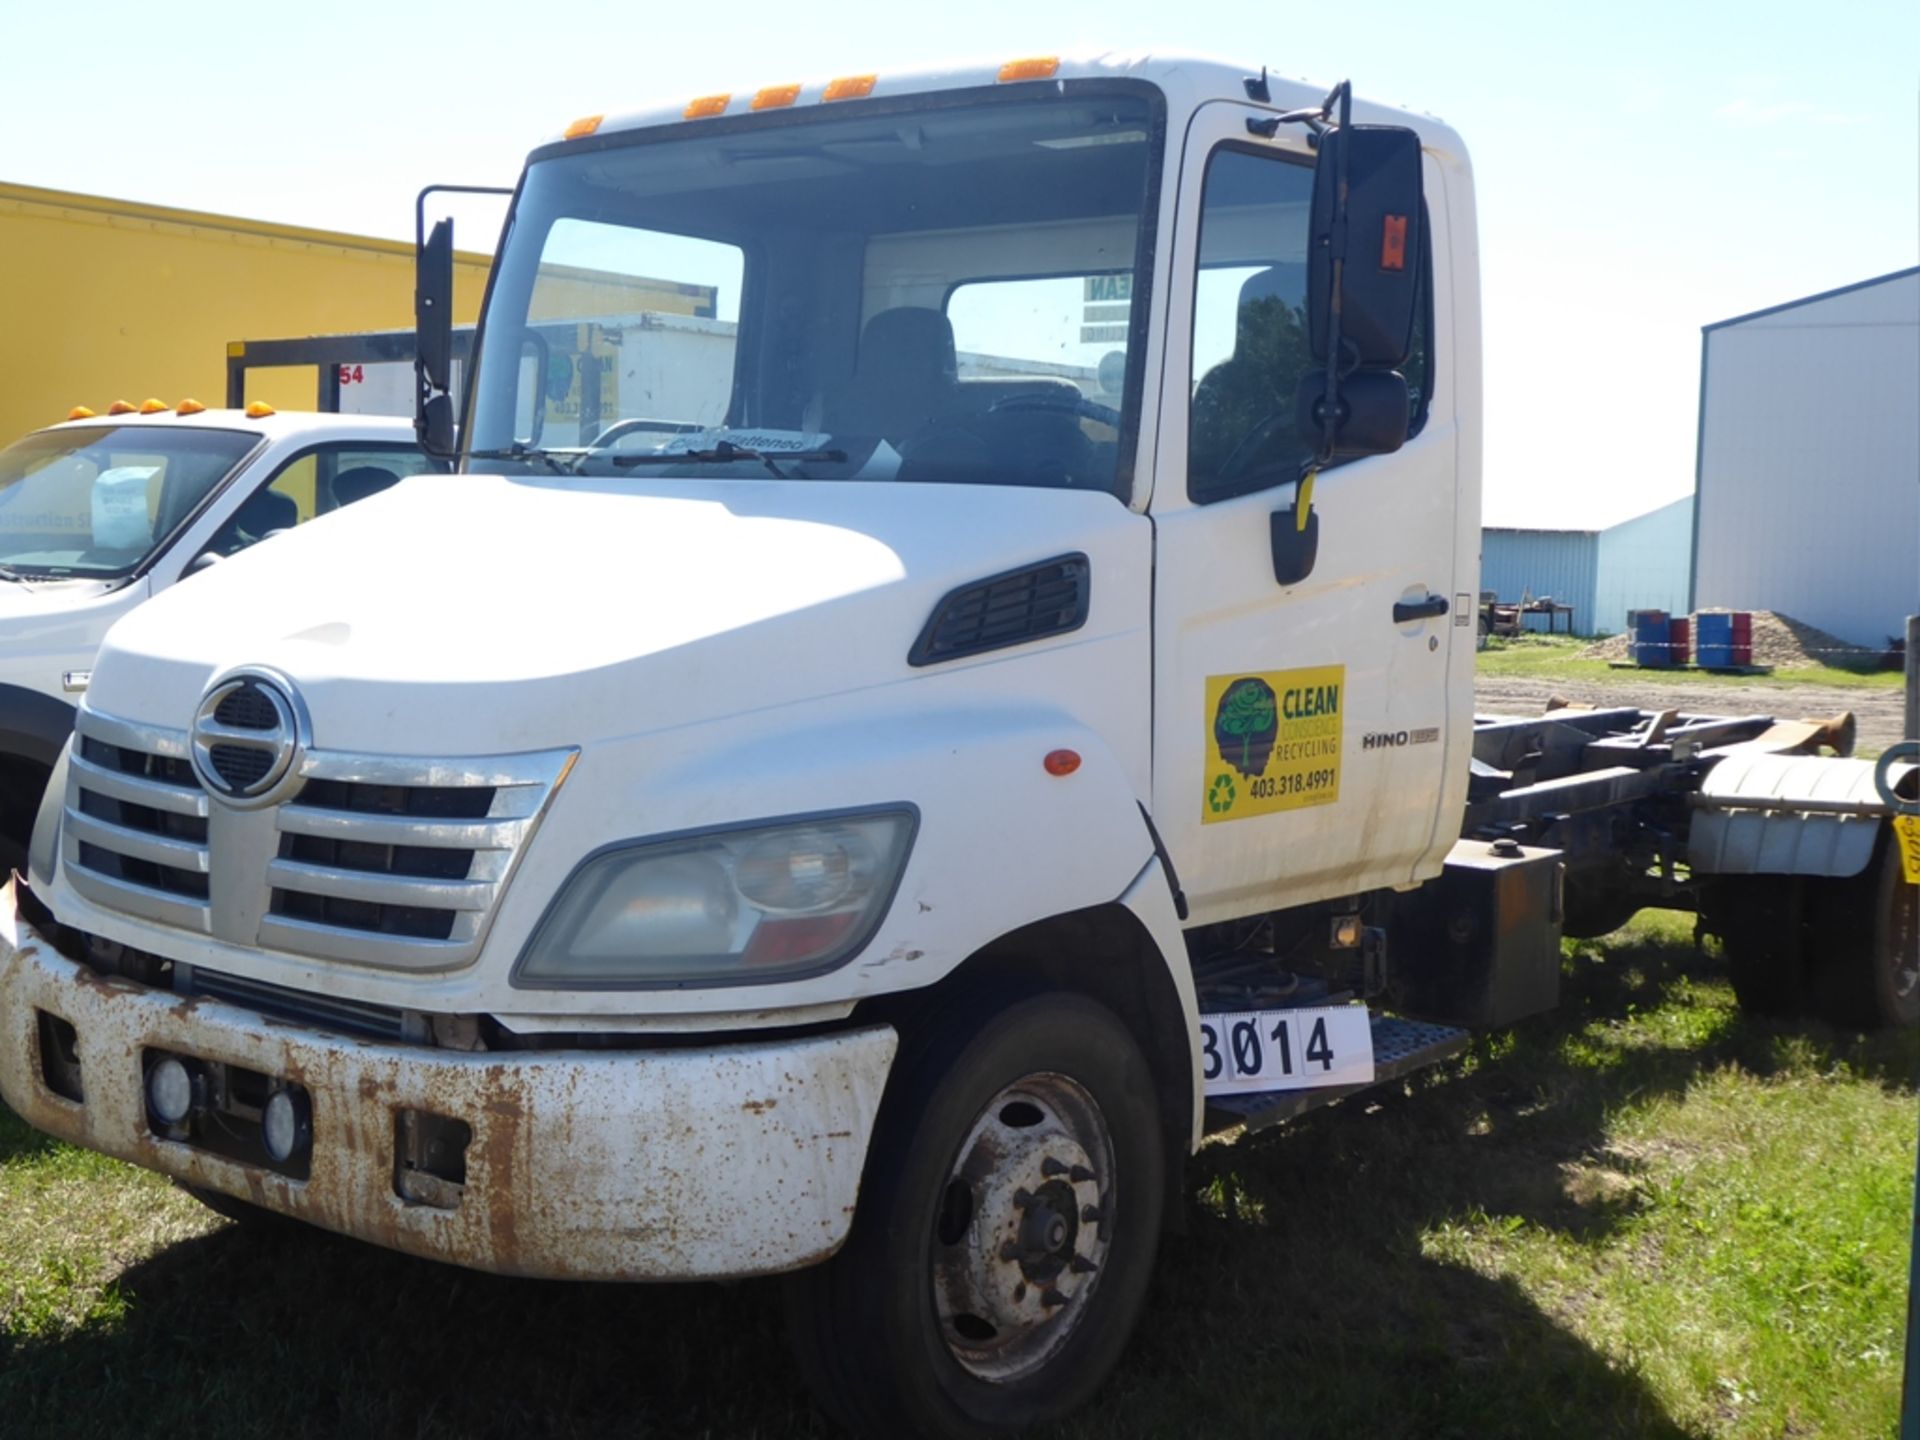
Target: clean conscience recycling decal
(1273, 741)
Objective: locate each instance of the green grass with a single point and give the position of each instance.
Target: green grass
(1643, 1215)
(1544, 657)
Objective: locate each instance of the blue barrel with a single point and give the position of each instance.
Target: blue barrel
(1714, 637)
(1650, 640)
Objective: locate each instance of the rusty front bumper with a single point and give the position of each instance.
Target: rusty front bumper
(726, 1160)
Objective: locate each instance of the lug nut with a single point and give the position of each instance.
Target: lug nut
(1080, 1174)
(1090, 1215)
(1052, 1299)
(1080, 1265)
(1051, 1167)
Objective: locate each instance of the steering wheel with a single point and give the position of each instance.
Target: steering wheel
(1079, 405)
(1252, 443)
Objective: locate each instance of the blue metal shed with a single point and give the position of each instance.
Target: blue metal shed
(1639, 564)
(1643, 564)
(1541, 565)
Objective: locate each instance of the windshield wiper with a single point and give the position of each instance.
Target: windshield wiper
(562, 461)
(726, 453)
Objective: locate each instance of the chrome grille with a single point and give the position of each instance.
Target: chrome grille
(390, 861)
(135, 828)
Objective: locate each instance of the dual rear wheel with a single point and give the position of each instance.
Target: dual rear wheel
(1847, 950)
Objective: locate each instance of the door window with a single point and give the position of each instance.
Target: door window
(314, 482)
(1251, 345)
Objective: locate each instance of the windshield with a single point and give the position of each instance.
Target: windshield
(946, 291)
(95, 502)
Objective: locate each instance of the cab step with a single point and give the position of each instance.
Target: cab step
(1399, 1048)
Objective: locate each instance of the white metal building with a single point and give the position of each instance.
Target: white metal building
(1808, 480)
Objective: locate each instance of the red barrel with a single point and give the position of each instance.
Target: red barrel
(1742, 637)
(1680, 640)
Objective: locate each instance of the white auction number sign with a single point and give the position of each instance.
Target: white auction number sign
(1257, 1050)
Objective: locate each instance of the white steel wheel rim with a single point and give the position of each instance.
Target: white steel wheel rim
(1023, 1227)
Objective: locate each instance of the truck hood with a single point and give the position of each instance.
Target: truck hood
(474, 614)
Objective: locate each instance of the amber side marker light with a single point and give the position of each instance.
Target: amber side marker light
(1034, 67)
(122, 407)
(152, 406)
(850, 87)
(774, 97)
(1062, 762)
(706, 107)
(584, 126)
(188, 407)
(258, 410)
(80, 412)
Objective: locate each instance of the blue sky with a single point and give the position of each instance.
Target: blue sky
(1643, 169)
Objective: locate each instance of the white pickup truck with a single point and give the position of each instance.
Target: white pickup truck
(101, 512)
(850, 819)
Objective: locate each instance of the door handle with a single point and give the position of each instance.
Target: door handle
(1431, 608)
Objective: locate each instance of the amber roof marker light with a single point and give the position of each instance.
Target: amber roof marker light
(850, 87)
(1032, 67)
(583, 127)
(774, 97)
(706, 107)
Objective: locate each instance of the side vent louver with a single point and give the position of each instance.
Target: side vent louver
(1035, 601)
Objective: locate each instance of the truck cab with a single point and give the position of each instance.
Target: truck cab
(766, 814)
(102, 512)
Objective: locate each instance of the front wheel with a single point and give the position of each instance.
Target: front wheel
(1006, 1229)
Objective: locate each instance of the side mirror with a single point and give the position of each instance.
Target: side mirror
(434, 425)
(1370, 413)
(1363, 267)
(433, 340)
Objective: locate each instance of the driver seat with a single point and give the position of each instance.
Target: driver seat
(904, 379)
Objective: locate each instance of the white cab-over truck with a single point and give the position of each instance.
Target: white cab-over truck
(866, 823)
(101, 512)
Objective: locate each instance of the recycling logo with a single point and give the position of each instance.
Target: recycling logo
(1220, 798)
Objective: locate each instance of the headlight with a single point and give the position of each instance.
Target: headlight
(728, 907)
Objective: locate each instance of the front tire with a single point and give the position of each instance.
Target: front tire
(1006, 1229)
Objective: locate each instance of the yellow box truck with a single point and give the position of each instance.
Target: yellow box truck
(109, 299)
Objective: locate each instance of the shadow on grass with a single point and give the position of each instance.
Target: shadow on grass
(1299, 1303)
(19, 1140)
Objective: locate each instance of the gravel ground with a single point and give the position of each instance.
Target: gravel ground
(1878, 711)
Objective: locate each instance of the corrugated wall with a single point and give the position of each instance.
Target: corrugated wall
(109, 300)
(1542, 563)
(1810, 462)
(1643, 565)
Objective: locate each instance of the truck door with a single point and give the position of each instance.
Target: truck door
(1299, 730)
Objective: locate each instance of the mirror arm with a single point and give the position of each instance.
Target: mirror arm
(1337, 241)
